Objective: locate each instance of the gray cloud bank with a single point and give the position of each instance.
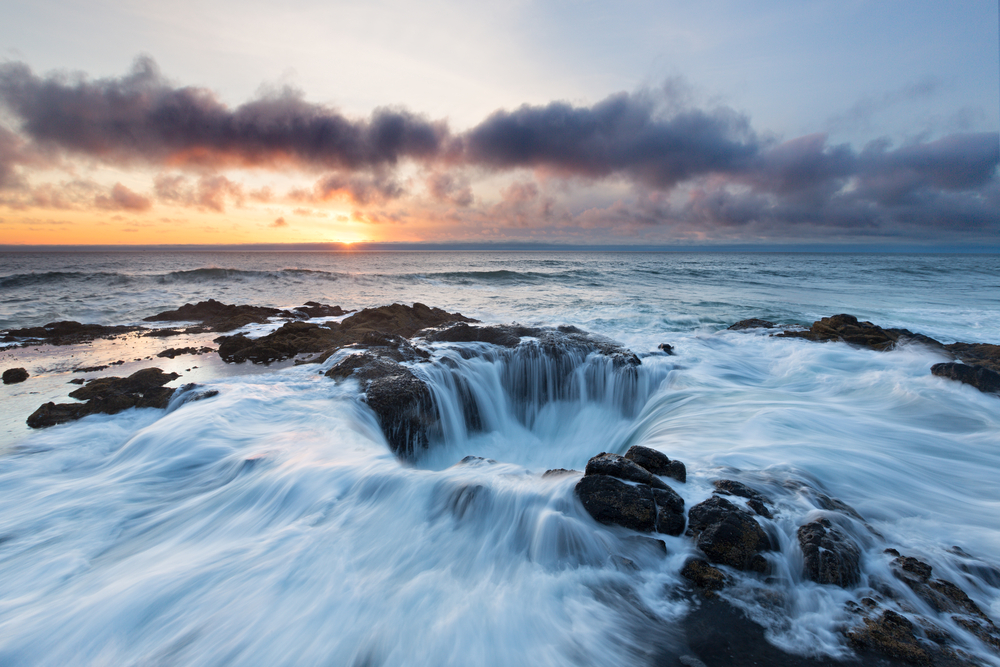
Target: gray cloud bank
(734, 177)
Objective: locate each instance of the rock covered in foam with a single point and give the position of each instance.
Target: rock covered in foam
(656, 462)
(829, 555)
(980, 377)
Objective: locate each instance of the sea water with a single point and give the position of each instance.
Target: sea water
(271, 525)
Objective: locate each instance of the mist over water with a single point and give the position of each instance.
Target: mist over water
(272, 525)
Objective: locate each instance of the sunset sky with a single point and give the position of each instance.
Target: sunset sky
(645, 123)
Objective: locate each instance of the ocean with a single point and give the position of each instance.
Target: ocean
(272, 525)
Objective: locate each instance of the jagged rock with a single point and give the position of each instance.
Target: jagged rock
(65, 333)
(665, 348)
(847, 328)
(980, 377)
(315, 309)
(177, 351)
(893, 636)
(943, 596)
(703, 575)
(756, 501)
(830, 556)
(399, 398)
(14, 375)
(656, 462)
(752, 323)
(503, 335)
(109, 395)
(639, 507)
(386, 327)
(977, 354)
(824, 501)
(217, 316)
(728, 535)
(622, 468)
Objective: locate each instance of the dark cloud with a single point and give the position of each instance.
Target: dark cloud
(280, 222)
(142, 117)
(361, 189)
(637, 135)
(123, 199)
(445, 187)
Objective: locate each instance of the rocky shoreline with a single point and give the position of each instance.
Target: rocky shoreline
(731, 532)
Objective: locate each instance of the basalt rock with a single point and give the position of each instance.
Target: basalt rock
(109, 395)
(290, 339)
(756, 501)
(315, 309)
(830, 557)
(399, 398)
(14, 375)
(728, 535)
(752, 323)
(977, 354)
(891, 635)
(178, 351)
(636, 506)
(622, 468)
(982, 378)
(848, 329)
(65, 333)
(703, 575)
(217, 316)
(656, 462)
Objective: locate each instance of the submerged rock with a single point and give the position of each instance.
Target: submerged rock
(178, 351)
(14, 375)
(756, 501)
(703, 575)
(892, 635)
(830, 557)
(752, 323)
(728, 535)
(656, 462)
(109, 395)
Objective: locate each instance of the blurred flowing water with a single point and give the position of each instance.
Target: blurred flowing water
(271, 525)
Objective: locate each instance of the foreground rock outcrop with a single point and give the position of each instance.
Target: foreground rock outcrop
(646, 504)
(830, 556)
(728, 535)
(221, 317)
(64, 333)
(109, 395)
(14, 375)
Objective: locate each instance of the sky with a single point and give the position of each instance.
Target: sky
(630, 123)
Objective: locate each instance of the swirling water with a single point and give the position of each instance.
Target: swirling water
(271, 525)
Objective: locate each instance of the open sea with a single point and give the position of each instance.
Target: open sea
(271, 525)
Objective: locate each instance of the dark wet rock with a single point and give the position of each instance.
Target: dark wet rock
(977, 354)
(728, 535)
(290, 339)
(109, 395)
(399, 398)
(217, 316)
(893, 636)
(386, 327)
(755, 500)
(559, 472)
(665, 348)
(848, 329)
(14, 375)
(752, 323)
(178, 351)
(475, 461)
(315, 309)
(503, 335)
(982, 378)
(637, 506)
(65, 333)
(830, 556)
(644, 543)
(192, 392)
(703, 575)
(622, 468)
(656, 462)
(612, 501)
(163, 333)
(76, 381)
(943, 596)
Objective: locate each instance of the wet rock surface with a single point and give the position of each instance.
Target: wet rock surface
(64, 333)
(401, 401)
(756, 501)
(607, 495)
(14, 375)
(217, 316)
(728, 535)
(172, 352)
(752, 323)
(849, 329)
(656, 462)
(829, 555)
(109, 395)
(982, 378)
(704, 575)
